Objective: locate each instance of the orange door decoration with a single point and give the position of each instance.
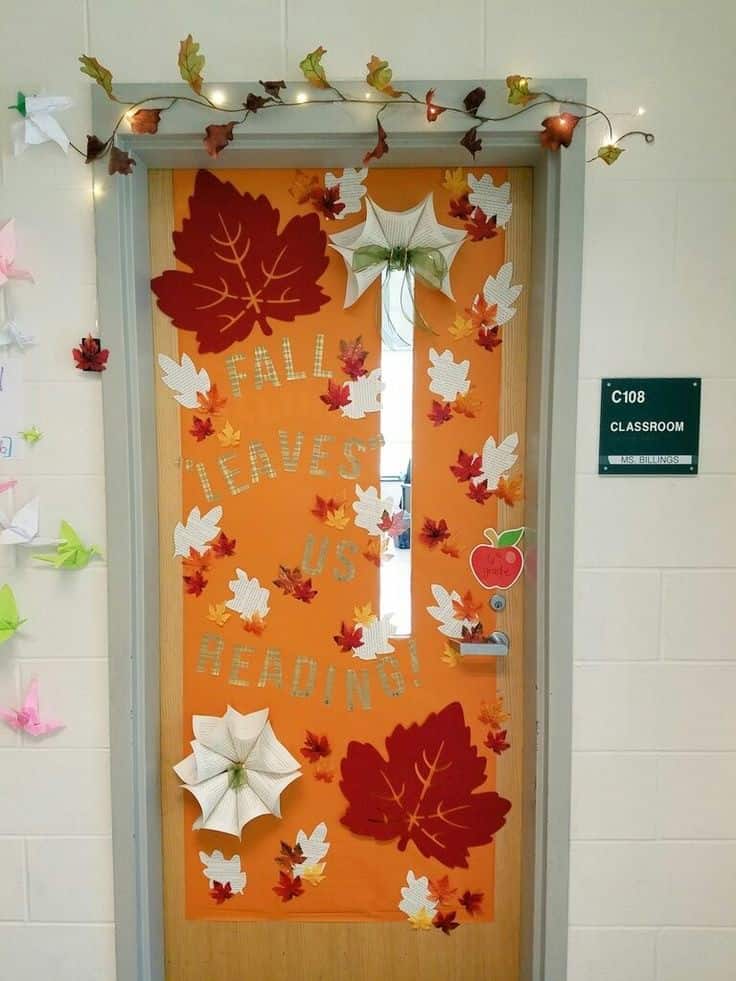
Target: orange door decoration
(339, 743)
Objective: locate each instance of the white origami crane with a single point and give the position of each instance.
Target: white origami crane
(490, 199)
(400, 232)
(39, 124)
(22, 528)
(375, 639)
(448, 378)
(12, 336)
(499, 290)
(365, 394)
(314, 848)
(497, 460)
(451, 626)
(415, 896)
(217, 868)
(249, 597)
(8, 268)
(184, 379)
(369, 509)
(351, 187)
(197, 532)
(237, 771)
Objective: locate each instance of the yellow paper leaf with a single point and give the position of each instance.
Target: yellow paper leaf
(421, 920)
(460, 328)
(455, 182)
(450, 656)
(363, 615)
(379, 77)
(191, 63)
(311, 66)
(468, 404)
(229, 436)
(218, 614)
(337, 518)
(313, 874)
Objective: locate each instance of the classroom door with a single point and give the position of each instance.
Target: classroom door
(341, 363)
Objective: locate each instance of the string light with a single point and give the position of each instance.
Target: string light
(302, 97)
(98, 190)
(367, 95)
(218, 97)
(640, 111)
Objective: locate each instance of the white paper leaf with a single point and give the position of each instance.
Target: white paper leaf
(375, 639)
(249, 597)
(364, 395)
(415, 895)
(369, 509)
(448, 378)
(184, 380)
(352, 189)
(444, 612)
(217, 868)
(490, 199)
(497, 460)
(314, 847)
(499, 290)
(198, 531)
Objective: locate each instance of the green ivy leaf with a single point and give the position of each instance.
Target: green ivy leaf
(191, 63)
(311, 66)
(98, 73)
(510, 537)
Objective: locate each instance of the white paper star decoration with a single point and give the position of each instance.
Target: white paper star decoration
(237, 771)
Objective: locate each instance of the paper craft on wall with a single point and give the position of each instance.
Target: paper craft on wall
(10, 619)
(39, 123)
(8, 269)
(28, 717)
(13, 337)
(71, 552)
(21, 528)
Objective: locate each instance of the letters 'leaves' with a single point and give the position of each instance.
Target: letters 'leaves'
(424, 790)
(244, 272)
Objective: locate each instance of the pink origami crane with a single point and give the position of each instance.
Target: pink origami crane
(28, 718)
(7, 484)
(8, 268)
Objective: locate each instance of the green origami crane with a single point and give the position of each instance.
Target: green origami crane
(9, 619)
(70, 552)
(32, 435)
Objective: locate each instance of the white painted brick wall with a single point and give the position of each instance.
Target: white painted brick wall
(653, 855)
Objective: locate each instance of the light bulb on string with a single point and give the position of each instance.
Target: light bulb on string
(217, 97)
(302, 97)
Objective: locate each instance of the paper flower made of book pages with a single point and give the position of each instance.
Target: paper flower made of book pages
(237, 770)
(405, 241)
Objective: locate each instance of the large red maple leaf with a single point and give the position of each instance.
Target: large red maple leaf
(243, 270)
(424, 791)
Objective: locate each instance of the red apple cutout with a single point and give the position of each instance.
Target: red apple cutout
(498, 565)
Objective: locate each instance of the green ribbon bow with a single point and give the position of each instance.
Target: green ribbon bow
(426, 262)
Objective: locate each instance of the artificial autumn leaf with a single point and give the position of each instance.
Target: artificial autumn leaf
(489, 337)
(244, 271)
(610, 154)
(474, 98)
(474, 634)
(255, 102)
(338, 518)
(223, 546)
(302, 186)
(289, 887)
(349, 637)
(468, 465)
(493, 713)
(424, 790)
(467, 404)
(95, 148)
(201, 428)
(450, 655)
(451, 549)
(103, 76)
(466, 608)
(229, 436)
(433, 111)
(254, 624)
(191, 63)
(440, 412)
(337, 395)
(496, 740)
(195, 584)
(324, 775)
(461, 207)
(393, 524)
(288, 579)
(303, 591)
(352, 357)
(480, 227)
(211, 403)
(479, 492)
(90, 355)
(508, 490)
(197, 562)
(313, 874)
(311, 68)
(289, 856)
(324, 506)
(363, 615)
(440, 890)
(381, 146)
(460, 328)
(273, 88)
(376, 551)
(455, 182)
(519, 94)
(421, 920)
(145, 120)
(119, 162)
(327, 201)
(379, 77)
(472, 142)
(557, 131)
(216, 138)
(315, 747)
(482, 314)
(220, 892)
(434, 532)
(218, 614)
(471, 901)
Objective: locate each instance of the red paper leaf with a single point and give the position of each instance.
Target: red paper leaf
(446, 922)
(216, 137)
(119, 162)
(440, 412)
(471, 901)
(90, 355)
(293, 583)
(479, 492)
(289, 856)
(557, 131)
(325, 200)
(461, 207)
(480, 227)
(423, 791)
(488, 338)
(468, 465)
(289, 887)
(434, 532)
(381, 146)
(336, 396)
(220, 892)
(201, 428)
(223, 546)
(472, 142)
(195, 583)
(245, 272)
(315, 747)
(145, 120)
(352, 356)
(482, 314)
(349, 637)
(303, 591)
(441, 891)
(393, 524)
(324, 506)
(496, 740)
(474, 634)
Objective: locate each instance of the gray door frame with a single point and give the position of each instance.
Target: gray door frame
(330, 136)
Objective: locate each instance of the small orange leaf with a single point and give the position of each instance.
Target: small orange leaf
(211, 403)
(467, 608)
(440, 890)
(492, 714)
(509, 491)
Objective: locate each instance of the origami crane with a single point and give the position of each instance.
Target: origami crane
(28, 717)
(39, 124)
(8, 268)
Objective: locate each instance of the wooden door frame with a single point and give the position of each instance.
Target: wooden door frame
(327, 136)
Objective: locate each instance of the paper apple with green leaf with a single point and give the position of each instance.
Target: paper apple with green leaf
(498, 564)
